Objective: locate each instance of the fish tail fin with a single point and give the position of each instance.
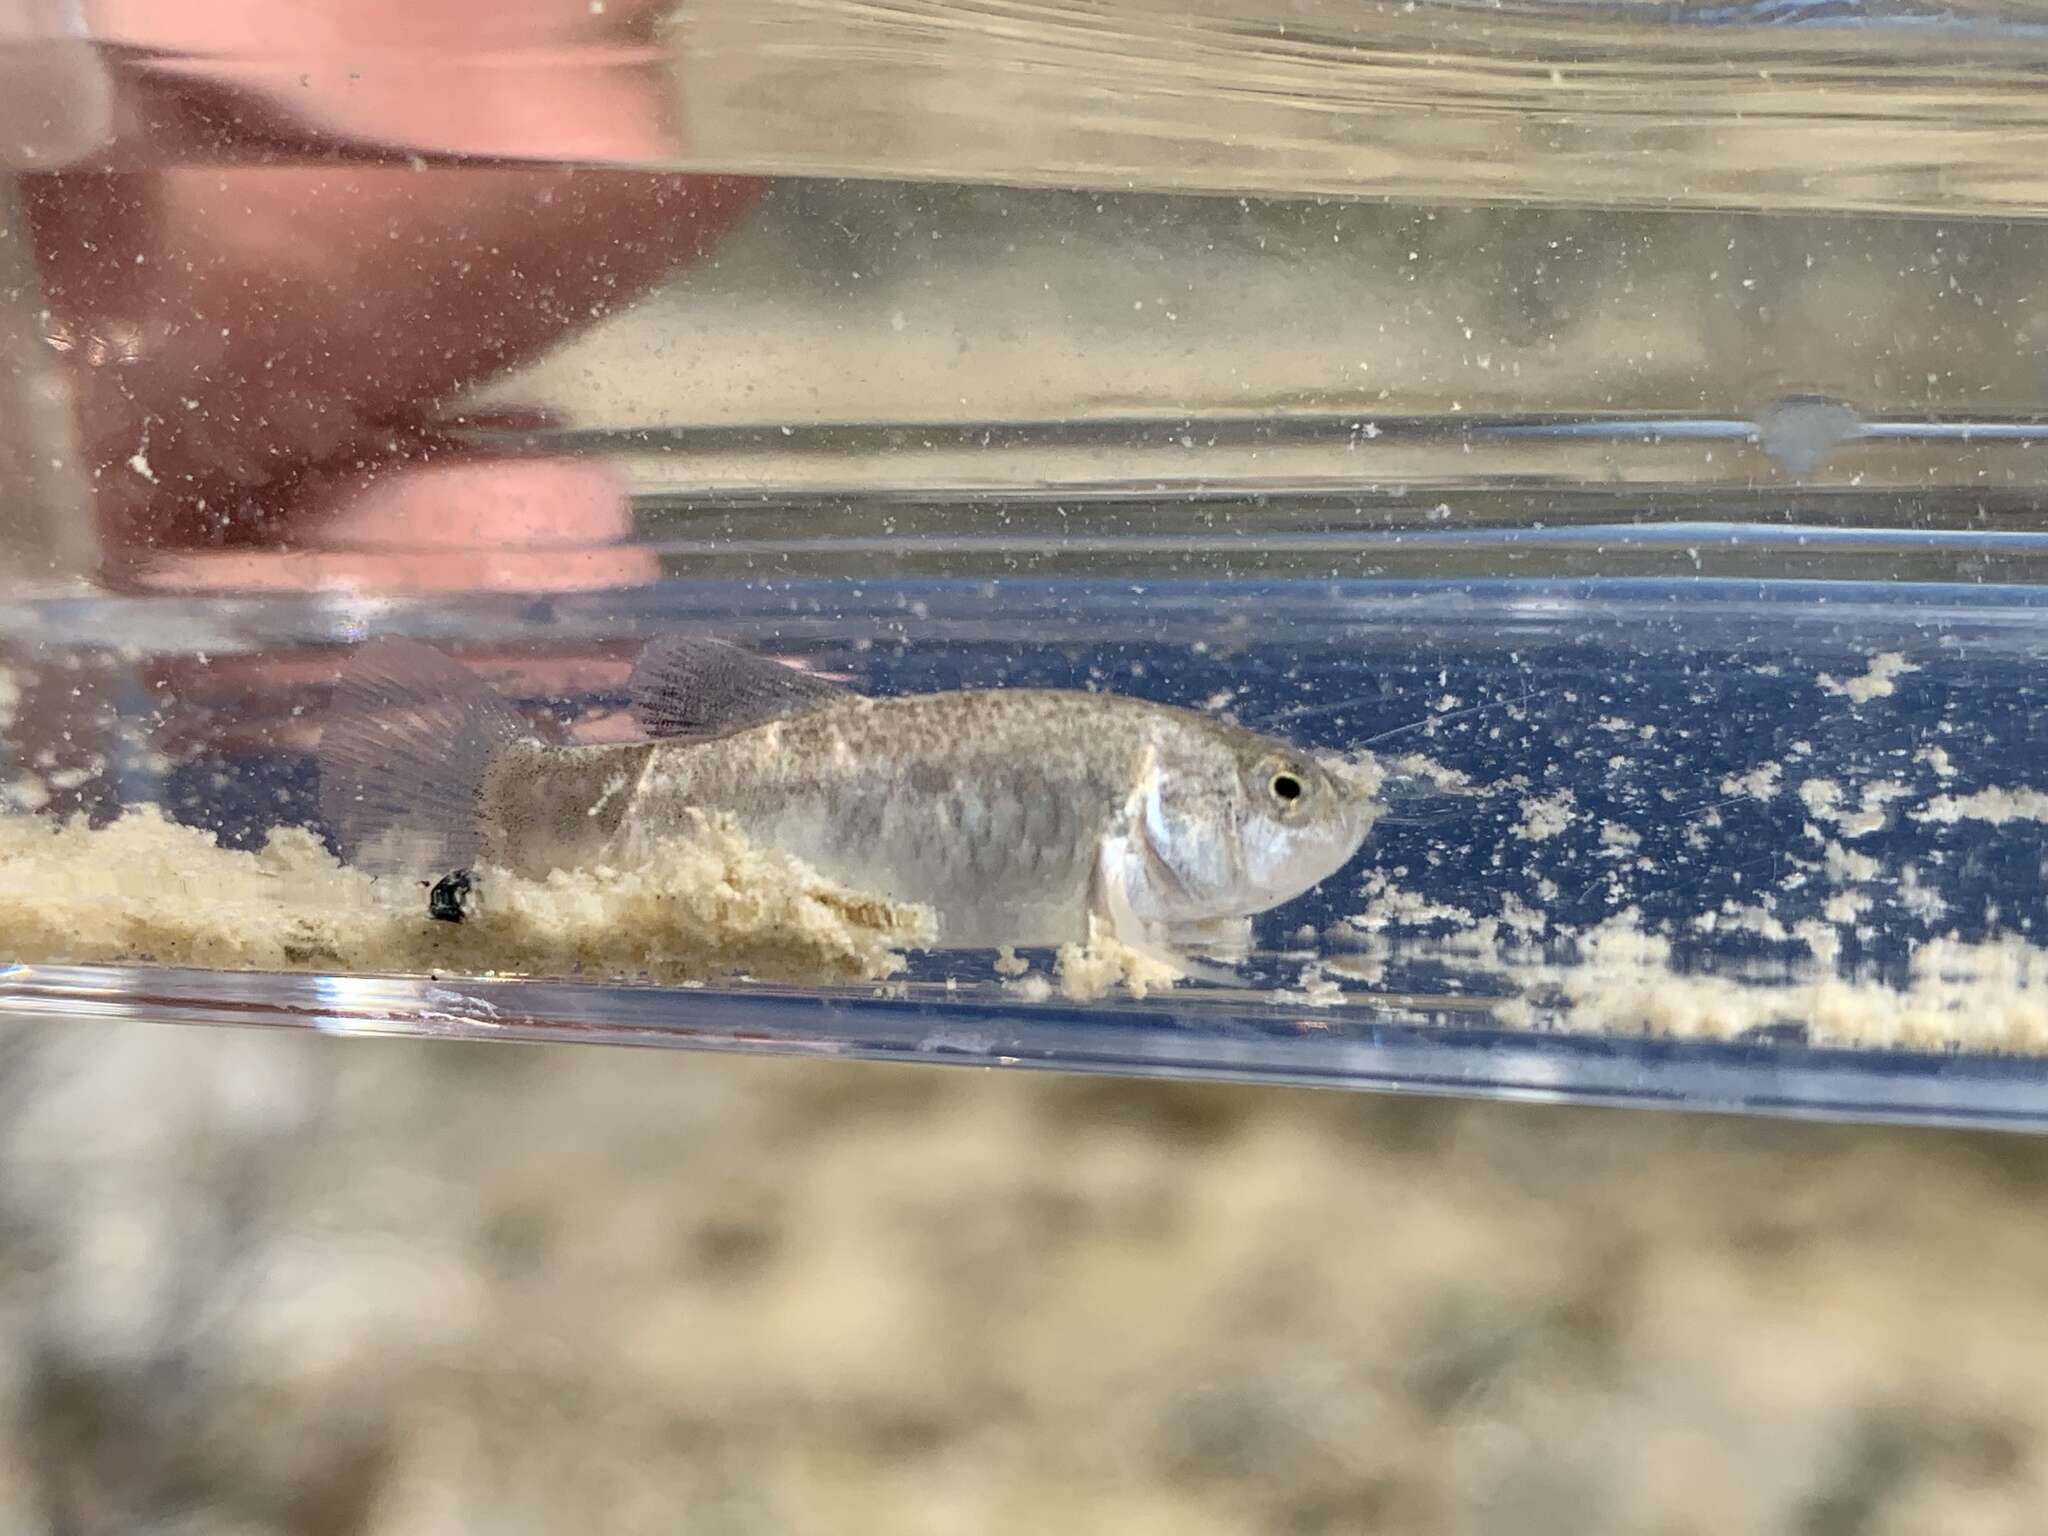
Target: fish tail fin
(407, 742)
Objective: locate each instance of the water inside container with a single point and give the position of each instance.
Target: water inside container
(1660, 515)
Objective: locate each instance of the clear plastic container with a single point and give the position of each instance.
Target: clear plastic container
(1622, 421)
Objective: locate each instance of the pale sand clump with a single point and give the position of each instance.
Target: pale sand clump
(1995, 806)
(1846, 907)
(1620, 978)
(1544, 817)
(1824, 802)
(1427, 769)
(1990, 996)
(1616, 838)
(1088, 971)
(1390, 906)
(1845, 866)
(1877, 683)
(1315, 990)
(146, 890)
(1734, 917)
(1029, 986)
(1936, 758)
(1760, 783)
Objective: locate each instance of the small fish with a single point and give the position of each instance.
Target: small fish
(1018, 815)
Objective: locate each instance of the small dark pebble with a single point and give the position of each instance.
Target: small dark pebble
(452, 897)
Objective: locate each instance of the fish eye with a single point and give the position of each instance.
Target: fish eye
(1287, 786)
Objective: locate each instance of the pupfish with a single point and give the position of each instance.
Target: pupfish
(1021, 816)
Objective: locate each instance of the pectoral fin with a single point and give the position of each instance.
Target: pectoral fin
(1118, 862)
(1223, 938)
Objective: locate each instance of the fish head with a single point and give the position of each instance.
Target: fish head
(1260, 823)
(1304, 819)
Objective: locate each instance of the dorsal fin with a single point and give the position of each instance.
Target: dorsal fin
(683, 685)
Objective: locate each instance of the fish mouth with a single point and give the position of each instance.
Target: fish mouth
(1358, 775)
(1359, 778)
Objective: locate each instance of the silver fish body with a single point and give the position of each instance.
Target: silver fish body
(1018, 815)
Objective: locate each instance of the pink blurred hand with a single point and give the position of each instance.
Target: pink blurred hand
(259, 349)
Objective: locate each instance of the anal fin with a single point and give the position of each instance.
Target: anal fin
(1110, 905)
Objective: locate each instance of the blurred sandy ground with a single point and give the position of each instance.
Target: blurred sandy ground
(261, 1283)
